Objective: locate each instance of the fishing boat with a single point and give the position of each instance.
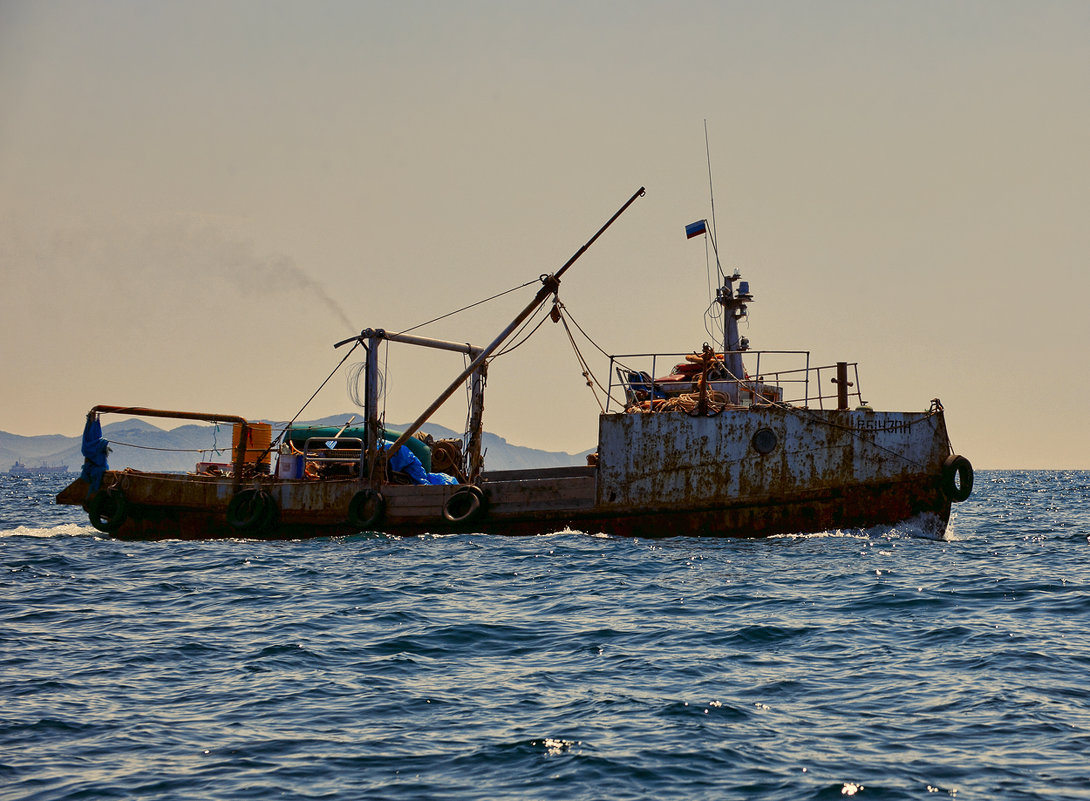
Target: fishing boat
(720, 440)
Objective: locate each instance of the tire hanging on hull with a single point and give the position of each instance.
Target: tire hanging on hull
(957, 478)
(108, 510)
(465, 505)
(252, 511)
(366, 509)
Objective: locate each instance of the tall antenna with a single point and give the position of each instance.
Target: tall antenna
(711, 195)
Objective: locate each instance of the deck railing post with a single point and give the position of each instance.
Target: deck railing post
(842, 384)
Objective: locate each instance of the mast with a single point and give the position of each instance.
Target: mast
(372, 339)
(734, 309)
(473, 459)
(550, 285)
(733, 303)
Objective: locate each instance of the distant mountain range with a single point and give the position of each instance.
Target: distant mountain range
(143, 446)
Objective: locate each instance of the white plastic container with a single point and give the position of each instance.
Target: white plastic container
(290, 465)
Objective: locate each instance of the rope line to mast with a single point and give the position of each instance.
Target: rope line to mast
(588, 373)
(120, 444)
(470, 306)
(525, 338)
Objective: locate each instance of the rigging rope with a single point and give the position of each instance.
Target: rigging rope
(563, 315)
(283, 430)
(470, 306)
(568, 315)
(525, 338)
(605, 391)
(587, 374)
(581, 331)
(321, 386)
(167, 450)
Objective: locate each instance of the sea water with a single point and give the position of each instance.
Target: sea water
(878, 664)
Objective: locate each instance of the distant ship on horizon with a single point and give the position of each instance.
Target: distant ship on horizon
(20, 469)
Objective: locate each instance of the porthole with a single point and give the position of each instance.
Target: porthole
(764, 441)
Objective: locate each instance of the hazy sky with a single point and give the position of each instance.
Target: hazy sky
(197, 199)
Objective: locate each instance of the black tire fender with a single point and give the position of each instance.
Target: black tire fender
(251, 510)
(464, 505)
(108, 509)
(957, 478)
(366, 509)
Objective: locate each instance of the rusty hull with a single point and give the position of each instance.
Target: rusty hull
(761, 455)
(771, 470)
(747, 472)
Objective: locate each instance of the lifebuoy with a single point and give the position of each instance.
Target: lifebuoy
(465, 505)
(366, 509)
(957, 478)
(108, 510)
(252, 510)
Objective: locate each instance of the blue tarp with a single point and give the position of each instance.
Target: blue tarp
(94, 453)
(405, 461)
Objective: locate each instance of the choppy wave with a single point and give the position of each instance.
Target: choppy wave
(873, 664)
(62, 530)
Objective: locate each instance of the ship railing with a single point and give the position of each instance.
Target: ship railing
(319, 449)
(242, 447)
(777, 376)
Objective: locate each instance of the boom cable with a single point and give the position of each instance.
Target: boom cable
(470, 306)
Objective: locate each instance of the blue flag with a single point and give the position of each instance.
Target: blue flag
(696, 229)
